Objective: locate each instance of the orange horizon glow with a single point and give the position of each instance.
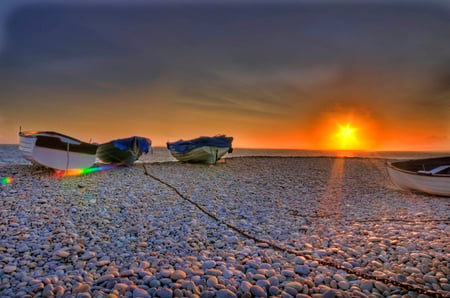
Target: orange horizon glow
(330, 128)
(345, 129)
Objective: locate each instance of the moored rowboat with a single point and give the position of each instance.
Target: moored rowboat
(56, 151)
(123, 151)
(201, 150)
(431, 175)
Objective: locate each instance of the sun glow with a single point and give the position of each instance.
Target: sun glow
(347, 130)
(347, 137)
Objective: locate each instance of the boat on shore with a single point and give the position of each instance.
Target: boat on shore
(55, 150)
(123, 151)
(430, 175)
(201, 150)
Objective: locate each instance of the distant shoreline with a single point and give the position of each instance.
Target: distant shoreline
(10, 154)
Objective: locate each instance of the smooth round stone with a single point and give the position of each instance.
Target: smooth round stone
(227, 274)
(164, 293)
(299, 260)
(62, 253)
(140, 293)
(445, 287)
(381, 274)
(215, 272)
(154, 283)
(338, 277)
(291, 291)
(103, 263)
(274, 281)
(208, 265)
(274, 291)
(287, 273)
(59, 291)
(208, 294)
(265, 266)
(245, 286)
(188, 285)
(263, 283)
(88, 255)
(343, 284)
(165, 272)
(366, 285)
(381, 286)
(23, 248)
(9, 269)
(411, 270)
(258, 291)
(225, 293)
(81, 288)
(329, 293)
(319, 279)
(259, 276)
(48, 291)
(37, 286)
(166, 281)
(302, 269)
(177, 293)
(212, 281)
(178, 274)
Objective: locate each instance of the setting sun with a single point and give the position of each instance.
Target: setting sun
(347, 137)
(345, 128)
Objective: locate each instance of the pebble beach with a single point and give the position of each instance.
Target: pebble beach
(245, 227)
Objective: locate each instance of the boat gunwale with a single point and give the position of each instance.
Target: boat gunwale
(37, 133)
(390, 165)
(415, 162)
(44, 140)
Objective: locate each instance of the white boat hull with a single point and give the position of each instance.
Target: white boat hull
(205, 154)
(436, 185)
(54, 157)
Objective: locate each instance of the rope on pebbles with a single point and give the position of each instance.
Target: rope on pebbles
(323, 262)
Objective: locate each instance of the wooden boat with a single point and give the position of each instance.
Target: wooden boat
(201, 150)
(56, 151)
(430, 175)
(123, 151)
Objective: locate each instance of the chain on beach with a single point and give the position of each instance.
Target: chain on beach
(324, 262)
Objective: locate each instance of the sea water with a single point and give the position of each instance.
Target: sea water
(10, 154)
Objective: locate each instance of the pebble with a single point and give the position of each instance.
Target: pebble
(258, 291)
(123, 234)
(62, 253)
(178, 274)
(9, 269)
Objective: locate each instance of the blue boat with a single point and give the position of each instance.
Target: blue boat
(123, 151)
(201, 150)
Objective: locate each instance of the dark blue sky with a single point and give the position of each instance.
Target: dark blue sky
(265, 72)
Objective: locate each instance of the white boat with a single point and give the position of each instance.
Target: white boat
(56, 151)
(431, 175)
(201, 150)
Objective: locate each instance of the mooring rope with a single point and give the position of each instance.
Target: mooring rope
(323, 262)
